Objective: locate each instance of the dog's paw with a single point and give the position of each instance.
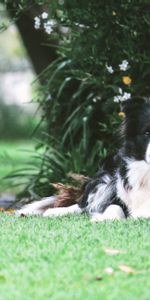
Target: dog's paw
(28, 211)
(112, 212)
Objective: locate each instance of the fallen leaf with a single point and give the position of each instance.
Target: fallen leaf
(10, 210)
(113, 251)
(127, 269)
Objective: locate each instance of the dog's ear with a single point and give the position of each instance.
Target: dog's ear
(132, 104)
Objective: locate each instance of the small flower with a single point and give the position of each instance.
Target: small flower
(94, 100)
(117, 99)
(51, 22)
(109, 69)
(48, 27)
(126, 80)
(44, 15)
(126, 96)
(114, 13)
(120, 98)
(124, 65)
(121, 114)
(37, 22)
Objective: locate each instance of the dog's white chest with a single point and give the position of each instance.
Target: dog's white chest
(137, 198)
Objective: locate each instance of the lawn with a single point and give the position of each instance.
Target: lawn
(13, 156)
(68, 257)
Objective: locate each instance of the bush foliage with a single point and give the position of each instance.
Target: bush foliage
(89, 75)
(103, 55)
(82, 108)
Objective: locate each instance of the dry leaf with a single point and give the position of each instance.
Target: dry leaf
(127, 269)
(113, 251)
(78, 177)
(8, 210)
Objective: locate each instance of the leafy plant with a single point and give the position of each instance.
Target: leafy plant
(103, 59)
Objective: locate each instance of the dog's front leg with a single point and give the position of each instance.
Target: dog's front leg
(112, 212)
(63, 211)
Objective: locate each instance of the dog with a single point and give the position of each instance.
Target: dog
(121, 188)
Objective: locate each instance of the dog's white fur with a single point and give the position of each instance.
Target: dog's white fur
(112, 212)
(138, 198)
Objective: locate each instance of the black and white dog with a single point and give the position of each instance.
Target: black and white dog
(122, 187)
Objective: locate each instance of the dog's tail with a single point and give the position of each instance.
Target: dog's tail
(66, 195)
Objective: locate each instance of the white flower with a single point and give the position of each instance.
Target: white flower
(94, 100)
(51, 22)
(48, 27)
(109, 69)
(44, 15)
(123, 97)
(126, 96)
(117, 99)
(124, 65)
(37, 22)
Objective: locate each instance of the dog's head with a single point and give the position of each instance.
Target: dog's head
(136, 128)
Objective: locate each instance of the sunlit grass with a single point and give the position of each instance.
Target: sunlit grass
(65, 258)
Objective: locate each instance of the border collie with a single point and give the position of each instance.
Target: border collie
(121, 188)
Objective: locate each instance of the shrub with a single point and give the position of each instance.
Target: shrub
(103, 60)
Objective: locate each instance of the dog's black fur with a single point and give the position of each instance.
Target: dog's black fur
(92, 185)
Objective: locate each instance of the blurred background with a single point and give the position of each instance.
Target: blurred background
(18, 111)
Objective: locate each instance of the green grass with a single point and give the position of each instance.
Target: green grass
(62, 259)
(13, 155)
